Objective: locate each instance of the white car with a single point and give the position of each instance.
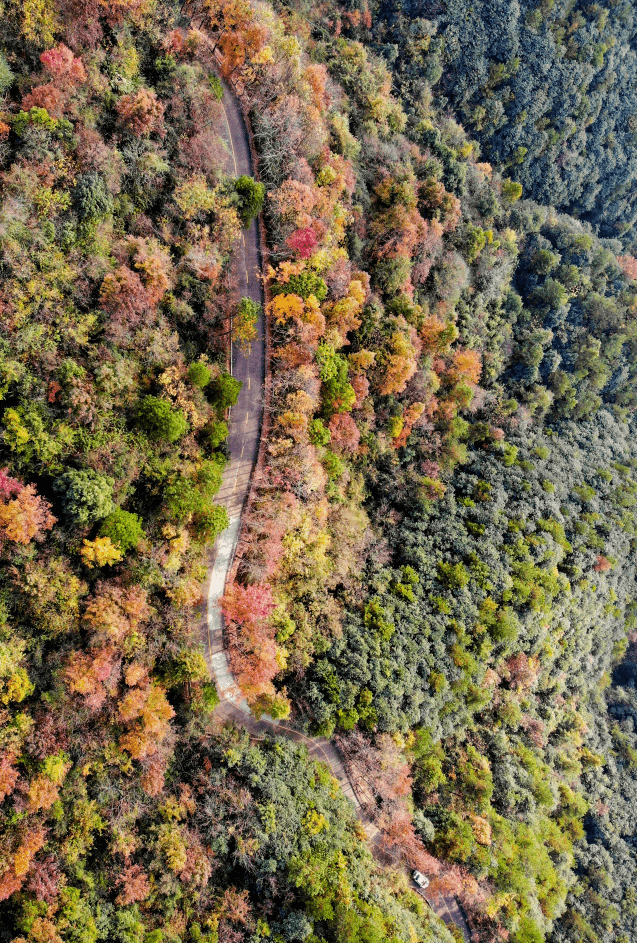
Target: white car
(420, 879)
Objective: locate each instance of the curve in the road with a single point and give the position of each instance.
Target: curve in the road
(245, 428)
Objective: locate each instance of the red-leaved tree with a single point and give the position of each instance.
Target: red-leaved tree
(302, 242)
(253, 651)
(61, 64)
(141, 113)
(345, 432)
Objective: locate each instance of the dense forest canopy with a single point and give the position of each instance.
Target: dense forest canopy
(547, 88)
(437, 561)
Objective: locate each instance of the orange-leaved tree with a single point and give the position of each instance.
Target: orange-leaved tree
(25, 517)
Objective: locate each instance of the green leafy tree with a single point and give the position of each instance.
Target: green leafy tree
(183, 498)
(225, 391)
(160, 421)
(199, 374)
(211, 521)
(124, 529)
(318, 433)
(216, 433)
(6, 75)
(528, 932)
(511, 191)
(251, 196)
(86, 495)
(304, 284)
(91, 197)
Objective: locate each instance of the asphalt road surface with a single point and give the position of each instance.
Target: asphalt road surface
(245, 417)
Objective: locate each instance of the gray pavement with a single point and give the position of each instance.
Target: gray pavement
(448, 910)
(245, 417)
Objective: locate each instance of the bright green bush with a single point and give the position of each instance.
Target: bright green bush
(317, 433)
(124, 529)
(199, 374)
(215, 433)
(210, 521)
(305, 284)
(183, 498)
(225, 391)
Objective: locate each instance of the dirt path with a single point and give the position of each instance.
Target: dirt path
(245, 427)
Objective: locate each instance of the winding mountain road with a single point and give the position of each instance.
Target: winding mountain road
(244, 420)
(245, 428)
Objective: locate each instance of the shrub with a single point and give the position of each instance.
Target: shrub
(86, 495)
(123, 528)
(208, 477)
(34, 117)
(334, 466)
(511, 191)
(277, 706)
(160, 421)
(509, 454)
(528, 932)
(182, 498)
(452, 575)
(194, 197)
(215, 87)
(304, 284)
(209, 697)
(6, 76)
(317, 433)
(395, 426)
